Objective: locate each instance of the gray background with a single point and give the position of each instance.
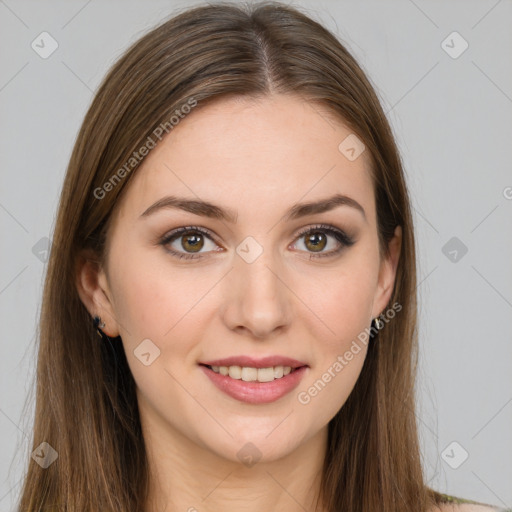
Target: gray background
(452, 120)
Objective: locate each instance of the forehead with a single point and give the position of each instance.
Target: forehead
(248, 154)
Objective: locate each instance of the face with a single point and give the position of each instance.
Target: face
(264, 281)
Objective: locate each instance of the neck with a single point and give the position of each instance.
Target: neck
(188, 476)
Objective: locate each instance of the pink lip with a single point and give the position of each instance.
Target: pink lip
(264, 362)
(255, 392)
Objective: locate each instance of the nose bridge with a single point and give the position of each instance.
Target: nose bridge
(259, 298)
(259, 279)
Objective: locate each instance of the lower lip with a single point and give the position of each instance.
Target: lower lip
(256, 392)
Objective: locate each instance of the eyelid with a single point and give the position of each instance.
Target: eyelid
(186, 229)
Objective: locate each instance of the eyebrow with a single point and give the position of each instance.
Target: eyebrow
(207, 209)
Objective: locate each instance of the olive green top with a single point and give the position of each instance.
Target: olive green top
(455, 499)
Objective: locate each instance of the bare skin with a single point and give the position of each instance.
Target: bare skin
(258, 159)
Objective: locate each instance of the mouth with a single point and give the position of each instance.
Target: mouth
(255, 385)
(252, 374)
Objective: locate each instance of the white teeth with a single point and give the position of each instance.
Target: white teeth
(266, 374)
(235, 372)
(249, 374)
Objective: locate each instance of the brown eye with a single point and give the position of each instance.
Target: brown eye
(193, 242)
(189, 242)
(323, 241)
(316, 241)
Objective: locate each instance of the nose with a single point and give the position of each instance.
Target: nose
(257, 298)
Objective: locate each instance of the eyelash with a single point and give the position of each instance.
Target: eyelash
(343, 239)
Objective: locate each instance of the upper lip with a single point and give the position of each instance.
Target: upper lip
(252, 362)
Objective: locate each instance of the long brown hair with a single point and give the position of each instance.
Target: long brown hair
(86, 406)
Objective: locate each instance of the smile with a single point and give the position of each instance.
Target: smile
(249, 374)
(255, 385)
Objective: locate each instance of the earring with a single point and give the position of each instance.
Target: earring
(98, 324)
(379, 324)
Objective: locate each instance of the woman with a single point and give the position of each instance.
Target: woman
(236, 228)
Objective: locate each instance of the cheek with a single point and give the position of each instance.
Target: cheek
(164, 307)
(350, 307)
(343, 301)
(340, 302)
(332, 380)
(169, 306)
(152, 296)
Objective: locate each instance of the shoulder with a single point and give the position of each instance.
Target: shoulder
(468, 507)
(457, 506)
(450, 503)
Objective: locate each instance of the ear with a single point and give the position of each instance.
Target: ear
(93, 289)
(387, 274)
